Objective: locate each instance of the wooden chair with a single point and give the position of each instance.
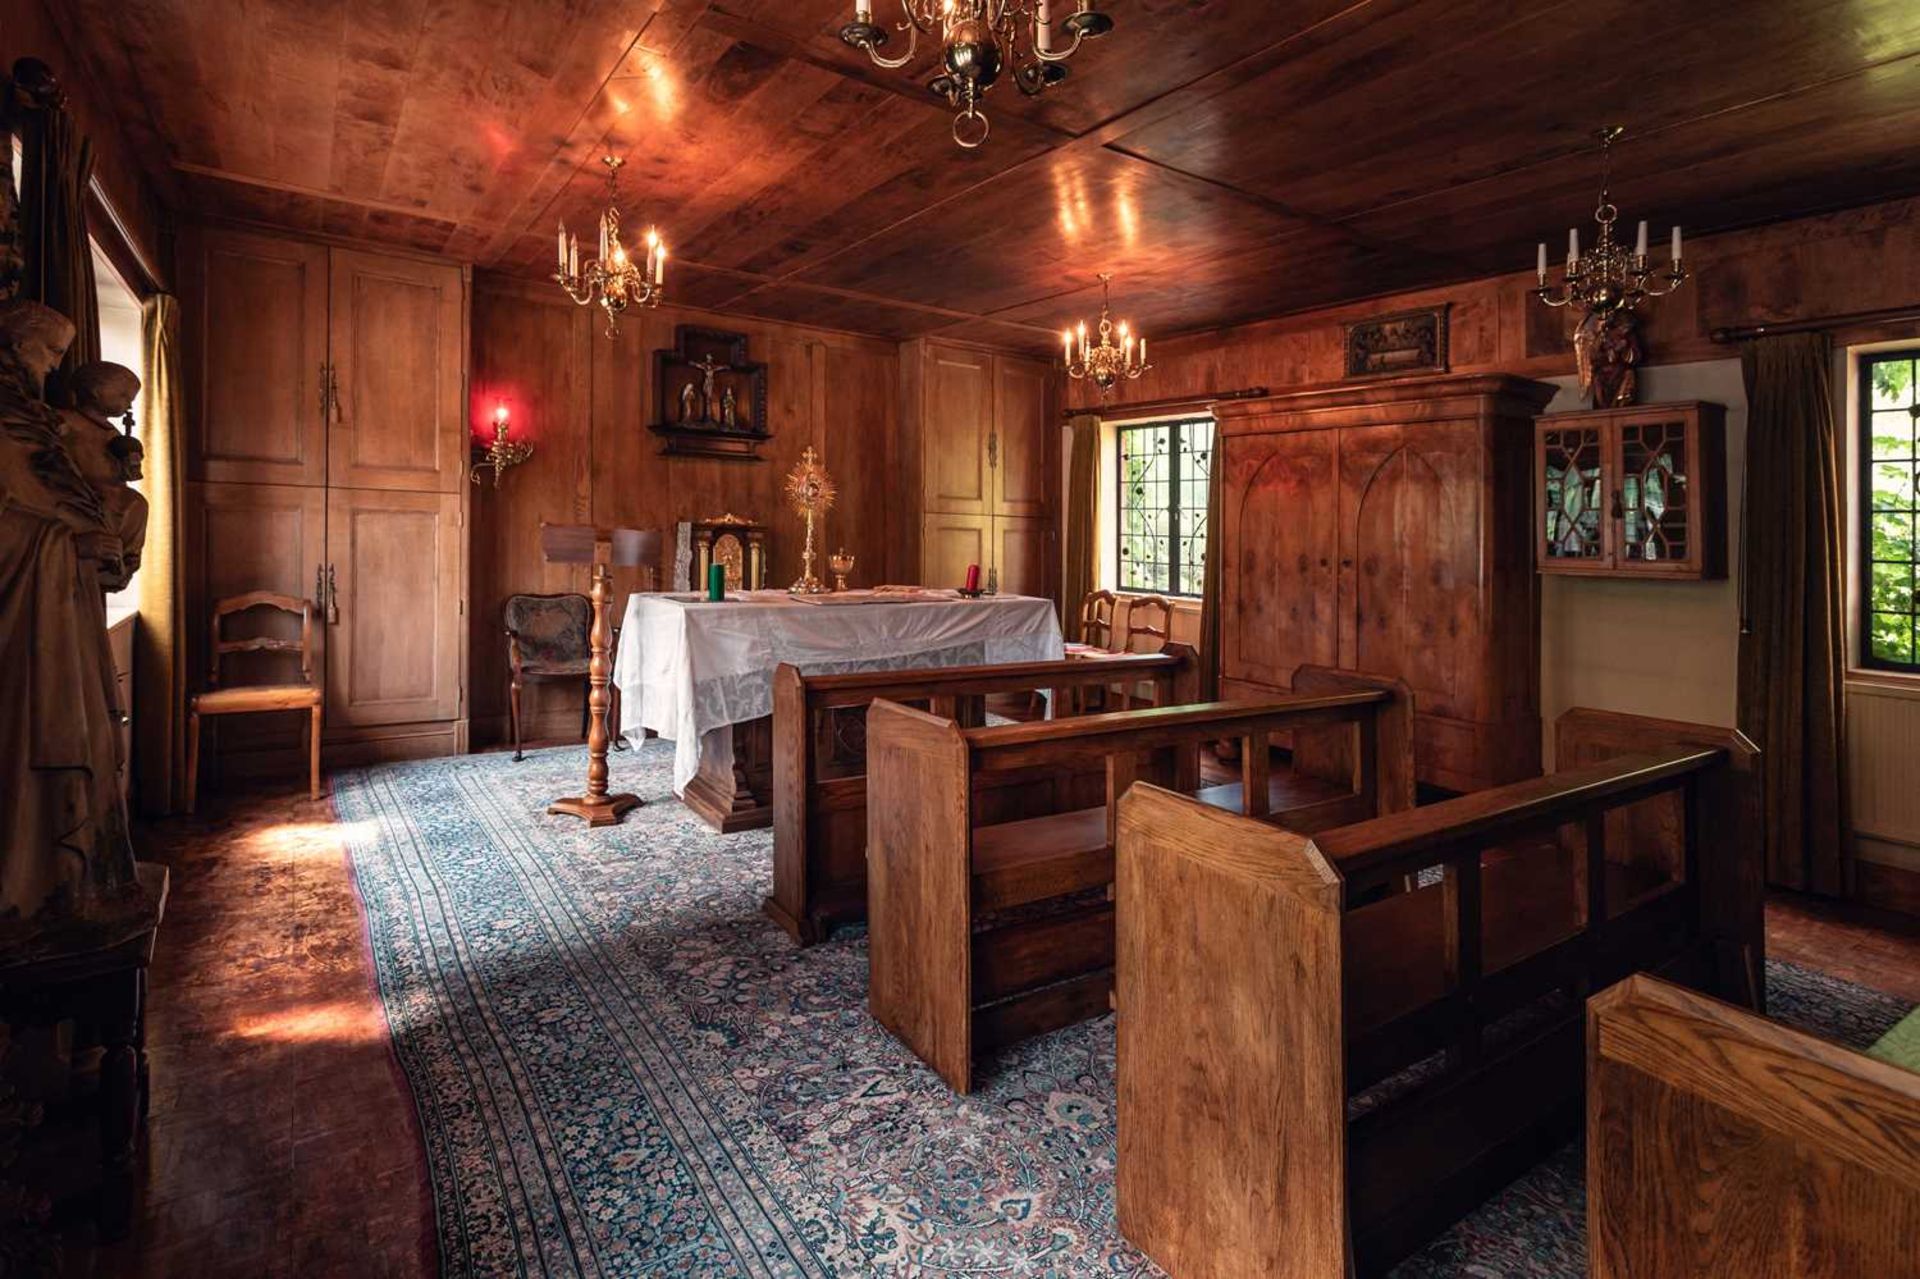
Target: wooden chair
(1149, 622)
(1373, 1062)
(550, 637)
(1096, 619)
(249, 698)
(1720, 1143)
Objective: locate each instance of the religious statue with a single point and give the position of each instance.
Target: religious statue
(686, 402)
(1608, 351)
(64, 851)
(109, 460)
(709, 397)
(728, 410)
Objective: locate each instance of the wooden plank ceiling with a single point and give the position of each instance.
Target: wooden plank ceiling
(1226, 159)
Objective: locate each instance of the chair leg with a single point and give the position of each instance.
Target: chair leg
(586, 712)
(513, 713)
(193, 760)
(613, 718)
(313, 760)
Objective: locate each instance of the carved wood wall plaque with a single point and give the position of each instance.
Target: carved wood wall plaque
(711, 400)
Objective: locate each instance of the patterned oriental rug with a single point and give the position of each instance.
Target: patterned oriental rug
(623, 1069)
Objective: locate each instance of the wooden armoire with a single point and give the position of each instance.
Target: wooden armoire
(327, 448)
(981, 458)
(1387, 528)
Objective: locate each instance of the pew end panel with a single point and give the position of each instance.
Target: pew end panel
(1719, 1143)
(920, 943)
(1372, 758)
(1236, 1083)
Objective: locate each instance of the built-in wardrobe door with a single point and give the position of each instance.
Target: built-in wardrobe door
(1022, 556)
(948, 544)
(1412, 589)
(398, 346)
(1018, 447)
(395, 613)
(958, 385)
(255, 311)
(1281, 533)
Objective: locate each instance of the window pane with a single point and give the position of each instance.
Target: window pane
(1892, 486)
(1892, 536)
(1890, 637)
(1893, 383)
(1893, 434)
(1165, 470)
(1891, 590)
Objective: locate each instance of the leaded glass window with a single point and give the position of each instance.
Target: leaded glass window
(1889, 418)
(1165, 468)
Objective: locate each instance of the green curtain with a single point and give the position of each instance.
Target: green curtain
(160, 651)
(1082, 533)
(1792, 642)
(56, 169)
(1211, 582)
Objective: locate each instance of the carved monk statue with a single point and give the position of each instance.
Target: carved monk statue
(109, 460)
(64, 852)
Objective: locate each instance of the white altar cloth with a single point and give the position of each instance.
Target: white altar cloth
(688, 669)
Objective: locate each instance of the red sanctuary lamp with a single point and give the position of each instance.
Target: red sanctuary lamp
(502, 452)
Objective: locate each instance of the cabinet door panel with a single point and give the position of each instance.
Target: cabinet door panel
(252, 537)
(957, 417)
(1021, 434)
(1281, 538)
(393, 652)
(948, 543)
(1023, 557)
(1411, 579)
(256, 341)
(398, 350)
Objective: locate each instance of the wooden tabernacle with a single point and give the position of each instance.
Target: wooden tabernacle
(983, 932)
(820, 760)
(1312, 1072)
(1719, 1143)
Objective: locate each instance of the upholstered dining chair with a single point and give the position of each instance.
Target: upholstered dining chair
(551, 637)
(245, 699)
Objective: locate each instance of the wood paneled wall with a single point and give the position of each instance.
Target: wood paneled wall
(1864, 259)
(586, 402)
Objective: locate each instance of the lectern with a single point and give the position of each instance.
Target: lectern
(602, 548)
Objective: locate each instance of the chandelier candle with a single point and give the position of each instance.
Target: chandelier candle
(1608, 279)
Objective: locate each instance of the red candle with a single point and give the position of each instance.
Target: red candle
(973, 577)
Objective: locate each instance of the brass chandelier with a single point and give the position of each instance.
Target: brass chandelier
(613, 279)
(1119, 353)
(979, 39)
(1608, 279)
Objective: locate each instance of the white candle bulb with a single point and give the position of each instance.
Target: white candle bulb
(1143, 353)
(1676, 244)
(1042, 27)
(1066, 341)
(1573, 245)
(660, 267)
(562, 266)
(1543, 262)
(1640, 242)
(863, 10)
(603, 239)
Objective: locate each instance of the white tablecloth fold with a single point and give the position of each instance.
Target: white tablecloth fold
(686, 668)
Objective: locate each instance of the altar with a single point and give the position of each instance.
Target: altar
(700, 674)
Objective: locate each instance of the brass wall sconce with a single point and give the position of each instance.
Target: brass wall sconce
(502, 452)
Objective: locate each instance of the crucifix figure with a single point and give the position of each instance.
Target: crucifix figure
(708, 399)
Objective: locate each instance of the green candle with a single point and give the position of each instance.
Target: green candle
(716, 582)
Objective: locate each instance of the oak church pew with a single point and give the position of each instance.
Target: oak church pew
(1310, 1070)
(819, 762)
(985, 931)
(1719, 1143)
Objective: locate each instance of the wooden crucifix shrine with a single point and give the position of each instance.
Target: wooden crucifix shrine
(602, 548)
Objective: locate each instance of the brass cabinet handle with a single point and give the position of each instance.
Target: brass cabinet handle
(333, 392)
(326, 392)
(333, 599)
(320, 590)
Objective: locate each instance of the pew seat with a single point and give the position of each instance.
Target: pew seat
(984, 930)
(1319, 1067)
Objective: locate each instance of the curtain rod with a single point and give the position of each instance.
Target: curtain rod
(1890, 316)
(1160, 406)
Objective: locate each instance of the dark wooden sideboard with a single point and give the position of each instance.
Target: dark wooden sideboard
(1387, 528)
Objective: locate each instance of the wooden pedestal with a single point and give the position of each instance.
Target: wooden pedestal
(739, 798)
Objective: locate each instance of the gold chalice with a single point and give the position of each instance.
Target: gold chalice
(841, 564)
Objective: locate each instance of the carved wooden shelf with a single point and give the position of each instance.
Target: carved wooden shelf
(1632, 492)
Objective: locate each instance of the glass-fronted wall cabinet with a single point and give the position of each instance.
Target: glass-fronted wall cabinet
(1633, 492)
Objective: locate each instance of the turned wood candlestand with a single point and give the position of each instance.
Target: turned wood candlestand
(584, 544)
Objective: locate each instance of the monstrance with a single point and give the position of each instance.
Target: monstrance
(584, 544)
(811, 492)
